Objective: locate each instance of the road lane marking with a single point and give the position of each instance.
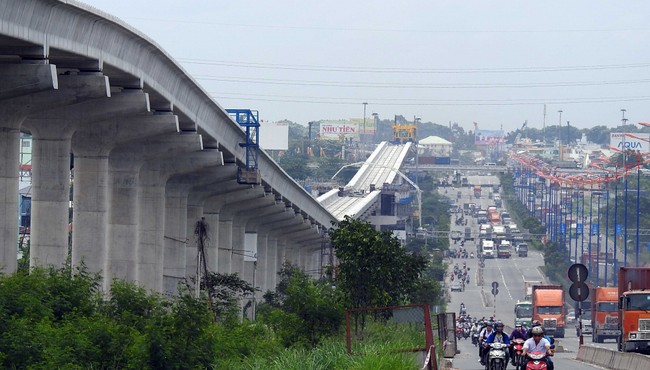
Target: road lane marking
(504, 281)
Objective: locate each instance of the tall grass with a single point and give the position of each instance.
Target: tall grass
(332, 355)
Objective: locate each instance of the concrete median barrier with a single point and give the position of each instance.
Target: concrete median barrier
(610, 359)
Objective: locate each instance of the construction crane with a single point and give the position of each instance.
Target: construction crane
(249, 121)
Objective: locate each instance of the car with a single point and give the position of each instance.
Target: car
(456, 287)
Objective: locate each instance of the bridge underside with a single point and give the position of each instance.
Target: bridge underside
(128, 155)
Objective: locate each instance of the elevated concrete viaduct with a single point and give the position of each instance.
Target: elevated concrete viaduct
(147, 152)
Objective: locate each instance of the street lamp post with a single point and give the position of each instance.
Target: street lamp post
(365, 129)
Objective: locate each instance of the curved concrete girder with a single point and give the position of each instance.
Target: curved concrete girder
(24, 79)
(273, 214)
(62, 121)
(79, 29)
(152, 182)
(125, 162)
(90, 146)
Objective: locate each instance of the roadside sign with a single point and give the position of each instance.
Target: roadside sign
(495, 291)
(619, 229)
(594, 229)
(563, 228)
(579, 229)
(578, 273)
(579, 291)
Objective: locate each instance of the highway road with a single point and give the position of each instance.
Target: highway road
(510, 274)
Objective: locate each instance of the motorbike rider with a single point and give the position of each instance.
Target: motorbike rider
(518, 333)
(462, 308)
(538, 344)
(498, 336)
(485, 333)
(534, 323)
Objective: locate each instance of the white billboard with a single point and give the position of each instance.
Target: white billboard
(274, 135)
(637, 142)
(335, 130)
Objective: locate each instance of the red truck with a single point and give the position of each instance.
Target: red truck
(604, 314)
(548, 308)
(634, 309)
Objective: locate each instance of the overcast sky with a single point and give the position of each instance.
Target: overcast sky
(491, 62)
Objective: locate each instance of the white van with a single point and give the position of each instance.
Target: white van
(487, 249)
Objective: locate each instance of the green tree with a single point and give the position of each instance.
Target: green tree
(374, 270)
(301, 310)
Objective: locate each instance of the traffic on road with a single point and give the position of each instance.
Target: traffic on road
(496, 285)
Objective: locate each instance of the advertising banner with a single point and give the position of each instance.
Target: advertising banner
(489, 137)
(367, 128)
(637, 142)
(336, 130)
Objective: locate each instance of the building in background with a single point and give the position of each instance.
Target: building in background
(434, 150)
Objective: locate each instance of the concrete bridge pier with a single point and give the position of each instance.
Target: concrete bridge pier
(51, 131)
(125, 162)
(177, 240)
(151, 226)
(91, 147)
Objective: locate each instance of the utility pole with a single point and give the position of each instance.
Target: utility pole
(365, 129)
(559, 141)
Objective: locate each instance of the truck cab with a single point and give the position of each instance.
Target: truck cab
(634, 309)
(548, 308)
(487, 249)
(503, 250)
(604, 314)
(524, 313)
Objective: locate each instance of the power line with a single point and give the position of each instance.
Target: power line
(270, 81)
(388, 30)
(349, 99)
(323, 68)
(437, 103)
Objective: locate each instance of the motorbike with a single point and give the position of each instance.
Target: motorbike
(459, 332)
(518, 347)
(475, 339)
(471, 255)
(496, 358)
(466, 333)
(536, 361)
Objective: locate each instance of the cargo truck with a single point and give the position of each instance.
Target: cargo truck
(528, 288)
(477, 191)
(604, 313)
(634, 309)
(548, 308)
(524, 313)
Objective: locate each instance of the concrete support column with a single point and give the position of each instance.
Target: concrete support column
(91, 145)
(9, 164)
(194, 215)
(225, 245)
(212, 252)
(50, 195)
(89, 212)
(123, 217)
(175, 238)
(272, 263)
(151, 231)
(262, 264)
(237, 262)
